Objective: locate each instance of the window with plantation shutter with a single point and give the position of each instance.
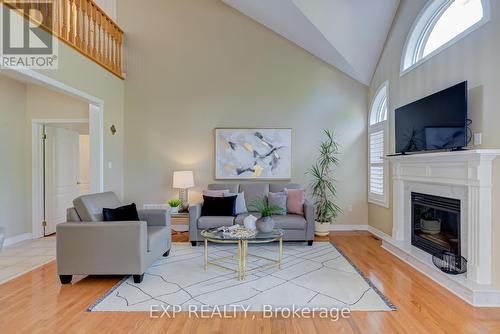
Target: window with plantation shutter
(377, 149)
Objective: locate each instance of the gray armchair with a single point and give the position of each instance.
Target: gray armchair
(87, 245)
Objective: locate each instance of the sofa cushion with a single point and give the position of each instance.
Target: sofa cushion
(290, 222)
(280, 187)
(253, 191)
(295, 201)
(89, 207)
(207, 222)
(122, 213)
(232, 187)
(215, 193)
(156, 236)
(219, 206)
(240, 205)
(240, 218)
(277, 199)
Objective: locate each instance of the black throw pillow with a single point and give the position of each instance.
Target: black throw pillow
(219, 206)
(123, 213)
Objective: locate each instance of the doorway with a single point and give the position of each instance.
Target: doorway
(66, 163)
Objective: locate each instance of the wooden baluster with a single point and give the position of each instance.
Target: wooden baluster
(113, 61)
(78, 23)
(99, 38)
(55, 20)
(119, 47)
(71, 21)
(64, 9)
(104, 39)
(110, 43)
(94, 24)
(84, 26)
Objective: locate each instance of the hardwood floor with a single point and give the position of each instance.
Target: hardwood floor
(37, 303)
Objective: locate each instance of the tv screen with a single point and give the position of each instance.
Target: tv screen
(437, 122)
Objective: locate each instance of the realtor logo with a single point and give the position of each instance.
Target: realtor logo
(27, 43)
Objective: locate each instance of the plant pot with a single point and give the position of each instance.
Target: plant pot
(265, 224)
(174, 209)
(321, 229)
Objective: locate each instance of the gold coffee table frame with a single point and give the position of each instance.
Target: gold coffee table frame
(242, 254)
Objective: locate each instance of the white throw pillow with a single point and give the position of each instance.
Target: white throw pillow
(216, 193)
(241, 206)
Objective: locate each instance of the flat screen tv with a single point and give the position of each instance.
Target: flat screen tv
(436, 122)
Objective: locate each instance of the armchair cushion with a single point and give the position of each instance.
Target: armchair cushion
(155, 217)
(122, 213)
(89, 207)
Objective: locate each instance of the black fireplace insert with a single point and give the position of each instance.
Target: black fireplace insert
(435, 224)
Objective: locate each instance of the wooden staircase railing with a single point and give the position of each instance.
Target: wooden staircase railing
(81, 24)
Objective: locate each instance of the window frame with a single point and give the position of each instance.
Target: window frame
(422, 28)
(380, 200)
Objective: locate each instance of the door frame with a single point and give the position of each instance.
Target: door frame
(38, 165)
(96, 134)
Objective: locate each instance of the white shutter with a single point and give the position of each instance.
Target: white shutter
(377, 163)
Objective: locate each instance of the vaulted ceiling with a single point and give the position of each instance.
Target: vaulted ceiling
(348, 34)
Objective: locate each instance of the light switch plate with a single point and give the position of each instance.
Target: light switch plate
(478, 138)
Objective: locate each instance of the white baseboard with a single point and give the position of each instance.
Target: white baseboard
(18, 238)
(379, 233)
(353, 227)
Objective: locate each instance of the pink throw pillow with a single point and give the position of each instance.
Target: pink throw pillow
(295, 201)
(216, 193)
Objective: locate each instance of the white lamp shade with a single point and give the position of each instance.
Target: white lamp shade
(183, 179)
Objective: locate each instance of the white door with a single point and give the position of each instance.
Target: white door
(62, 172)
(84, 148)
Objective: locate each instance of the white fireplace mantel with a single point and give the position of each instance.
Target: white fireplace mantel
(464, 175)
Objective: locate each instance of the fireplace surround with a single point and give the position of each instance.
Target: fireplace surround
(463, 181)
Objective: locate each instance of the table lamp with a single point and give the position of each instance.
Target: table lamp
(183, 180)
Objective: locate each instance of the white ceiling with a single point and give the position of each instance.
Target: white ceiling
(348, 34)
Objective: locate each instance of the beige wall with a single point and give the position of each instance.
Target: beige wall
(13, 204)
(203, 65)
(473, 58)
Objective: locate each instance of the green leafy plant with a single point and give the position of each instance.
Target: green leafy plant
(174, 202)
(262, 206)
(323, 183)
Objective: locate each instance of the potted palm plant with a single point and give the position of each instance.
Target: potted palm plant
(323, 185)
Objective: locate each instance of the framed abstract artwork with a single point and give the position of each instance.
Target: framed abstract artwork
(253, 154)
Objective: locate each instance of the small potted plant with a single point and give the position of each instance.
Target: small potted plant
(323, 186)
(265, 223)
(175, 204)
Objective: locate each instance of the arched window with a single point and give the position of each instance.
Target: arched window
(377, 148)
(440, 24)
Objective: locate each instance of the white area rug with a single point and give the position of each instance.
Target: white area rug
(316, 276)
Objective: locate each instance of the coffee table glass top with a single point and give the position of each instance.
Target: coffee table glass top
(215, 234)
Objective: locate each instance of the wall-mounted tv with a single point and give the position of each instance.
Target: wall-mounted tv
(436, 122)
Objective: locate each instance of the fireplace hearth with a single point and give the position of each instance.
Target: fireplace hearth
(435, 224)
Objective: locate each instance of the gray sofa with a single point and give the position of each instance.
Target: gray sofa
(87, 245)
(296, 227)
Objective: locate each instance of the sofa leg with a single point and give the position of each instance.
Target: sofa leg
(166, 253)
(193, 243)
(310, 242)
(65, 279)
(138, 278)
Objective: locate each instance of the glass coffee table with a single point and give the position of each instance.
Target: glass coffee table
(218, 237)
